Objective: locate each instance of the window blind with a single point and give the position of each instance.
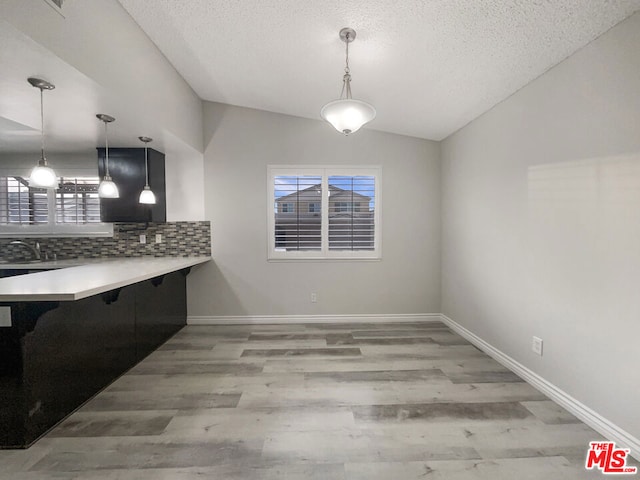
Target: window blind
(297, 212)
(20, 204)
(352, 212)
(324, 212)
(77, 201)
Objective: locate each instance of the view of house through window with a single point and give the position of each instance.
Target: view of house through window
(320, 213)
(351, 212)
(297, 227)
(74, 202)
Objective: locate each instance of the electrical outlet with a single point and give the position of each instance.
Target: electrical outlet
(536, 345)
(158, 238)
(5, 316)
(143, 238)
(314, 297)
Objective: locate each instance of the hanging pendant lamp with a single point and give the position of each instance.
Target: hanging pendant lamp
(146, 196)
(107, 189)
(42, 174)
(346, 114)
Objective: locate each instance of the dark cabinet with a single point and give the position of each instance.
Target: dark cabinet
(126, 167)
(57, 355)
(160, 311)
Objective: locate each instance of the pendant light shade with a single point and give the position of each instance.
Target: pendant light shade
(346, 114)
(42, 174)
(146, 196)
(107, 188)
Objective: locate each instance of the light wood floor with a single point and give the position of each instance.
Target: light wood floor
(361, 401)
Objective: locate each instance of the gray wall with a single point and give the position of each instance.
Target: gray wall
(541, 225)
(240, 143)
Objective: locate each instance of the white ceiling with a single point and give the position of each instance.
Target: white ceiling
(429, 67)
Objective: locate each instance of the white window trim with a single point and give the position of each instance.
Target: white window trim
(324, 171)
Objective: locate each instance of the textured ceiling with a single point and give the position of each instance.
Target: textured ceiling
(429, 67)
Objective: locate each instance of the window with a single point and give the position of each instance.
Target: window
(22, 205)
(75, 203)
(286, 207)
(324, 212)
(294, 228)
(346, 207)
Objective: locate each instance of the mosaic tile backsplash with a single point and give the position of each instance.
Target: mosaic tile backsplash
(179, 239)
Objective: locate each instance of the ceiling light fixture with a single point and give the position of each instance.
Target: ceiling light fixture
(346, 114)
(42, 174)
(107, 188)
(146, 196)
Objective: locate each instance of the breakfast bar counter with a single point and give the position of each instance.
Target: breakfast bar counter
(67, 333)
(78, 278)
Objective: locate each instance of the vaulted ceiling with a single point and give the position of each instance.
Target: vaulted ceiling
(428, 66)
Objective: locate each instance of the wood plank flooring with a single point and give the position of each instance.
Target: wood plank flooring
(348, 402)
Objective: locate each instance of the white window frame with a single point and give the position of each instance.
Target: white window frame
(324, 172)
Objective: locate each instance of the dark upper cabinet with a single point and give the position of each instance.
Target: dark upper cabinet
(126, 167)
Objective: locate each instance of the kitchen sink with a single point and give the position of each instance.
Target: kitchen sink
(12, 272)
(11, 268)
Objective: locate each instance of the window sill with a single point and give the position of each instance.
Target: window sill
(35, 231)
(324, 259)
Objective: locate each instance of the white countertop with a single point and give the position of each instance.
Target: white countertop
(68, 283)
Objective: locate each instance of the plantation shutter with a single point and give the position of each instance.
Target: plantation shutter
(77, 201)
(20, 204)
(297, 211)
(352, 203)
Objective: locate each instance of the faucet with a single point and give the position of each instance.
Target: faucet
(35, 250)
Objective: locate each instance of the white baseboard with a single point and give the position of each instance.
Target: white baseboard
(285, 319)
(600, 424)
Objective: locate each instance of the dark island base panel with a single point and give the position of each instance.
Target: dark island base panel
(57, 355)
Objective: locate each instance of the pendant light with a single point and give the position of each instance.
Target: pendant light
(346, 114)
(146, 196)
(42, 174)
(107, 188)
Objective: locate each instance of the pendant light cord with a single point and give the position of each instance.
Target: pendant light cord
(44, 159)
(346, 68)
(346, 79)
(146, 167)
(106, 151)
